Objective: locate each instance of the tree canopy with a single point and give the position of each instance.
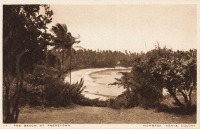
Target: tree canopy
(25, 40)
(162, 68)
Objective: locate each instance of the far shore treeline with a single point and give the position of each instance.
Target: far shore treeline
(87, 58)
(33, 74)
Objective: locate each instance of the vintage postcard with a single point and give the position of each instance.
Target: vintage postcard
(99, 64)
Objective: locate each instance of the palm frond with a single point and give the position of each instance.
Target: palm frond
(61, 28)
(60, 31)
(64, 27)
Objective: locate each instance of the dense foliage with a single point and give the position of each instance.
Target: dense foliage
(44, 88)
(86, 58)
(161, 68)
(33, 74)
(24, 44)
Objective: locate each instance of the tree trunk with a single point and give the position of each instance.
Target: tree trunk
(187, 97)
(70, 65)
(190, 98)
(16, 106)
(12, 105)
(7, 118)
(62, 64)
(177, 101)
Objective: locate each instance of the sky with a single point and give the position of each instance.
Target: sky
(134, 28)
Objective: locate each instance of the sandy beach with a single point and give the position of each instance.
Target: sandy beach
(97, 81)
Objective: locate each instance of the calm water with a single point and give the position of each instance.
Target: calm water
(105, 77)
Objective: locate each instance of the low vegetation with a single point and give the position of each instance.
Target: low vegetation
(44, 89)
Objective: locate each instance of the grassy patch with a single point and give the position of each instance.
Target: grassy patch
(101, 115)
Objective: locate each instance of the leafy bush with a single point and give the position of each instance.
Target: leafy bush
(158, 69)
(44, 89)
(91, 102)
(138, 94)
(177, 73)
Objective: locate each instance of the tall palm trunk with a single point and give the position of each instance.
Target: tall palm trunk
(70, 65)
(64, 40)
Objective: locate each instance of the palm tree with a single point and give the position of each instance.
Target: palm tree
(63, 41)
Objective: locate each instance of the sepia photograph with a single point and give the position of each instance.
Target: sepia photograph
(99, 63)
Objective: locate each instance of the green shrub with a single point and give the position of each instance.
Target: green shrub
(42, 89)
(158, 69)
(91, 102)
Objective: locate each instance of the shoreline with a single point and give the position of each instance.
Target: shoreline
(94, 89)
